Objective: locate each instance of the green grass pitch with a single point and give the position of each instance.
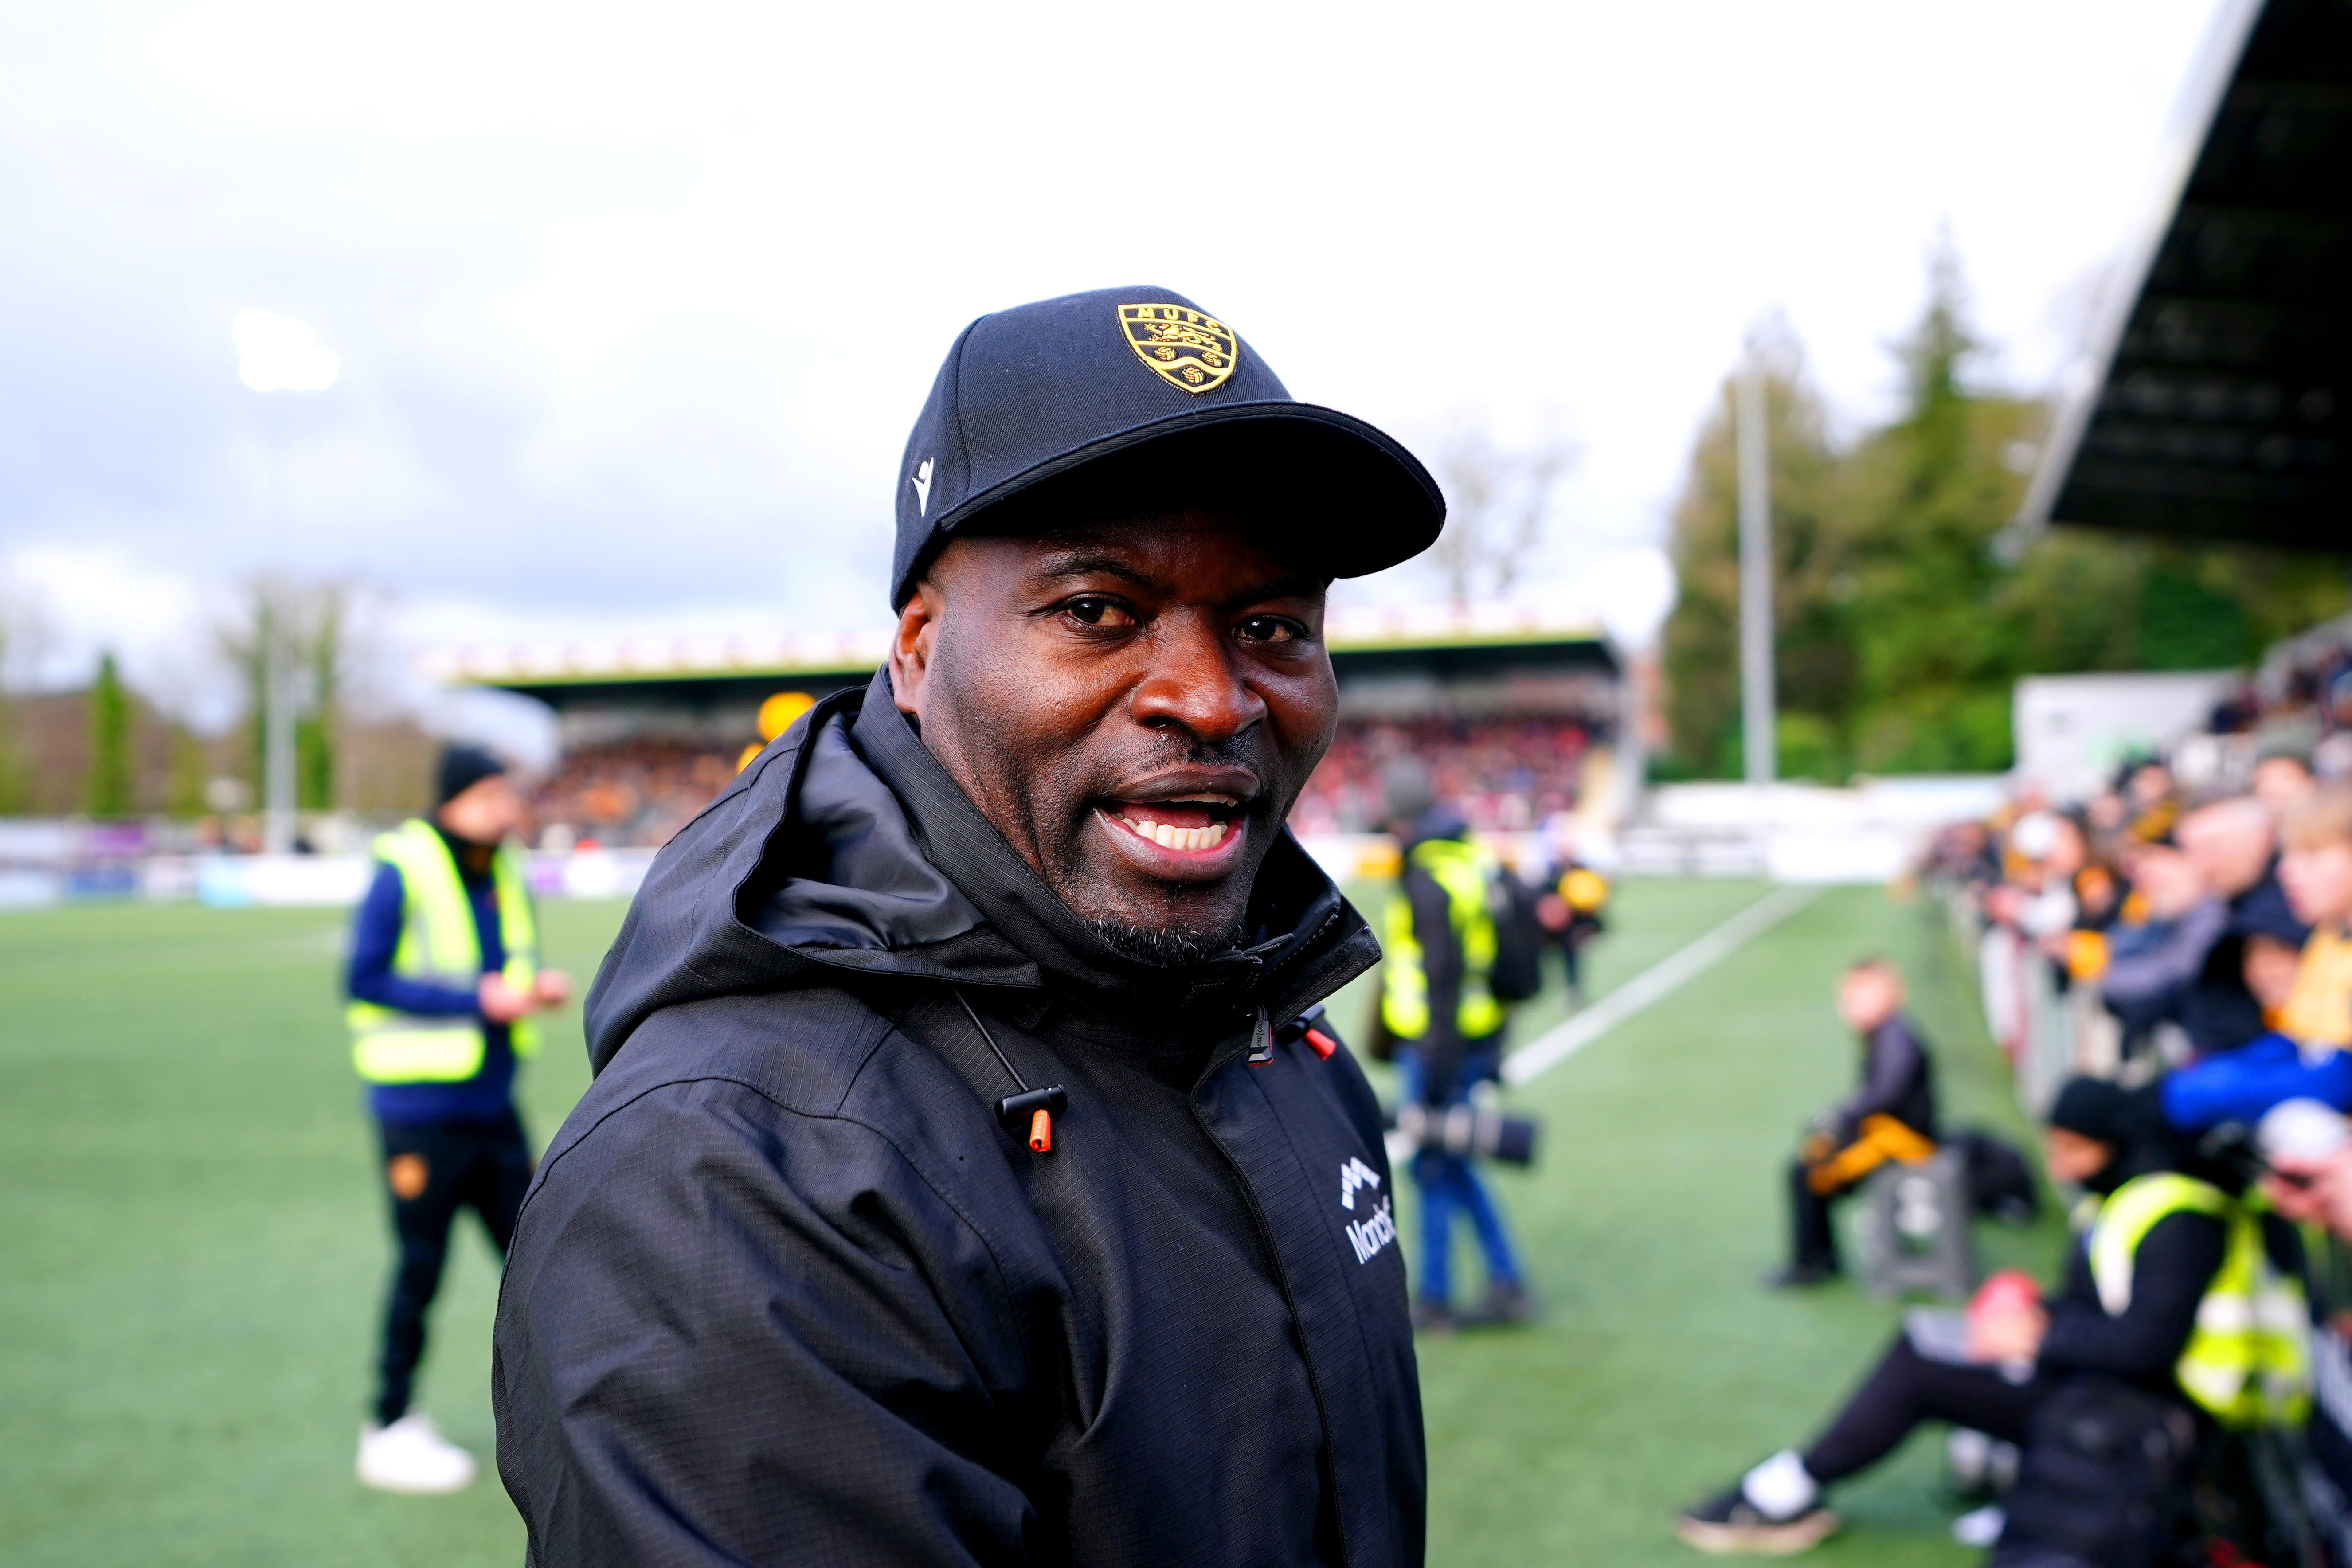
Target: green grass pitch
(192, 1251)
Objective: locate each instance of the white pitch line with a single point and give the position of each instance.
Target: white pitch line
(1548, 1050)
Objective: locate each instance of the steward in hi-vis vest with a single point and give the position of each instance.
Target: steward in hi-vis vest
(1465, 944)
(1438, 948)
(2180, 1297)
(2247, 1360)
(445, 974)
(441, 945)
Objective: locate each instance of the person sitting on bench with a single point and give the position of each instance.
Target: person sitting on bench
(1892, 1116)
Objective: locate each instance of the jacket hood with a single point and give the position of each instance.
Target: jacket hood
(845, 852)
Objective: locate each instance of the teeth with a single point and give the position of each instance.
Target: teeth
(1169, 837)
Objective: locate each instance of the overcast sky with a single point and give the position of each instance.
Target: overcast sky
(635, 304)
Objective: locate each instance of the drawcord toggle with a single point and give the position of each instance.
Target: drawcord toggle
(1028, 1113)
(1307, 1026)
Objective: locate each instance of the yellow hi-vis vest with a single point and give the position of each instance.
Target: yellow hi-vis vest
(438, 944)
(1468, 878)
(2248, 1359)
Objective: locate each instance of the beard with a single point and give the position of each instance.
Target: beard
(1176, 947)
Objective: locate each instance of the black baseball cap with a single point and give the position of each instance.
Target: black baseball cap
(1126, 396)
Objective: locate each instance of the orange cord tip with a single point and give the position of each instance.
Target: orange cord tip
(1040, 1130)
(1324, 1044)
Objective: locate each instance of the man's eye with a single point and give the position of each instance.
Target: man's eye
(1092, 612)
(1269, 629)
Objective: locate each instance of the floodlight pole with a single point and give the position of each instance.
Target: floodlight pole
(275, 357)
(1757, 705)
(278, 801)
(278, 797)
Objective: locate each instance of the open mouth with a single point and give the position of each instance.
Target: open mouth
(1188, 824)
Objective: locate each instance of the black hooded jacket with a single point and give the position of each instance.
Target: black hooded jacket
(785, 1292)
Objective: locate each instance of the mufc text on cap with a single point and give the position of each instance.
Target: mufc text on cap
(1184, 347)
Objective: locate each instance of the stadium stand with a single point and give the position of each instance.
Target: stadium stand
(1516, 715)
(1505, 773)
(628, 793)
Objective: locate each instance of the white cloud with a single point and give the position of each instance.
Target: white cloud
(634, 305)
(101, 598)
(279, 353)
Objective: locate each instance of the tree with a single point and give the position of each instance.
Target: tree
(23, 644)
(1497, 502)
(1900, 635)
(1814, 662)
(106, 786)
(315, 731)
(1926, 495)
(308, 623)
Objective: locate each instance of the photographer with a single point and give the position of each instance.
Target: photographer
(1438, 1004)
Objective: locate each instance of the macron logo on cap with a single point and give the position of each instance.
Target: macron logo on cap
(922, 483)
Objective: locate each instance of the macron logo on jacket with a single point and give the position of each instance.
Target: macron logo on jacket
(1368, 1234)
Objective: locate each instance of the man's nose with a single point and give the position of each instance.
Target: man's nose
(1194, 682)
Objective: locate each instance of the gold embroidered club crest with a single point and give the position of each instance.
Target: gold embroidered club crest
(1184, 348)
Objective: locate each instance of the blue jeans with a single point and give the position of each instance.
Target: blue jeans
(1449, 1185)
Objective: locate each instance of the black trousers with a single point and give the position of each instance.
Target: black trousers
(430, 1171)
(1905, 1389)
(1813, 1239)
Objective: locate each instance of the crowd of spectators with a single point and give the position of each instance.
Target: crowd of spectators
(1506, 773)
(2301, 698)
(628, 793)
(2167, 905)
(2193, 948)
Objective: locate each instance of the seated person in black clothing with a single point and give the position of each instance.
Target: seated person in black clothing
(2129, 1317)
(1891, 1117)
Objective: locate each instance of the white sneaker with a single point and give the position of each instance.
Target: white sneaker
(1982, 1528)
(411, 1456)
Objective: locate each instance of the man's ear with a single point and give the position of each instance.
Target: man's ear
(912, 646)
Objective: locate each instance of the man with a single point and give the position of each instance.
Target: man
(2151, 803)
(1438, 1002)
(443, 978)
(1891, 1116)
(2307, 1055)
(2233, 845)
(969, 1175)
(1573, 909)
(2282, 776)
(2308, 1148)
(2147, 1301)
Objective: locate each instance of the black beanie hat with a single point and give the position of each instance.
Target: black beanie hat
(2094, 1108)
(462, 767)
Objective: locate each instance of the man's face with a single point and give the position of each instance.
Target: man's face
(2317, 880)
(2268, 966)
(2230, 841)
(2072, 1157)
(2168, 879)
(1867, 998)
(2280, 781)
(1135, 706)
(485, 811)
